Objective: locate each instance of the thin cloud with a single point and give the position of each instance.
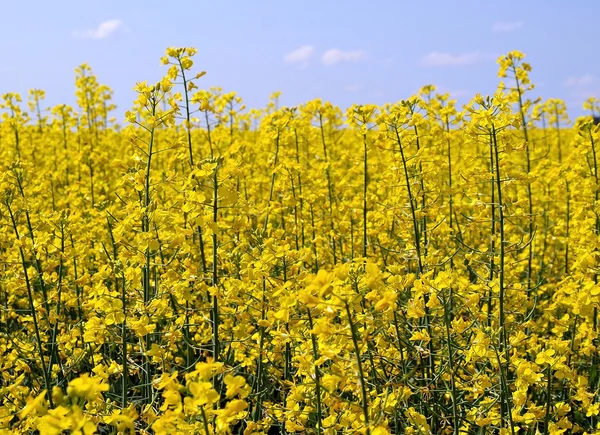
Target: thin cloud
(300, 56)
(579, 88)
(441, 59)
(454, 92)
(355, 87)
(581, 81)
(334, 56)
(506, 26)
(102, 31)
(582, 87)
(459, 93)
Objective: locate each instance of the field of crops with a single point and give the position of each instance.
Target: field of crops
(414, 268)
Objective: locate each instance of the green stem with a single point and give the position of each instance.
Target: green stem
(362, 381)
(46, 374)
(315, 348)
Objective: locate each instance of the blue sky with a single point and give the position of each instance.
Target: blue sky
(343, 51)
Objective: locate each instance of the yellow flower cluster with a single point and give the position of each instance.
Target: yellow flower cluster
(412, 268)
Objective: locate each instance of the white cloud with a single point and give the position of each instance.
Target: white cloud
(579, 88)
(458, 93)
(582, 87)
(454, 92)
(441, 59)
(334, 56)
(104, 30)
(300, 56)
(355, 87)
(581, 81)
(506, 26)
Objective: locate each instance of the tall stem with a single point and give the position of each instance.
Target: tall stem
(361, 374)
(506, 400)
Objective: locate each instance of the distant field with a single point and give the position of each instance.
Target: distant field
(203, 268)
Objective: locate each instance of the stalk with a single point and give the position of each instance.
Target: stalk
(273, 178)
(596, 233)
(493, 234)
(65, 143)
(314, 237)
(208, 132)
(46, 374)
(148, 388)
(299, 188)
(363, 389)
(37, 263)
(39, 114)
(365, 185)
(529, 191)
(568, 217)
(187, 113)
(451, 367)
(296, 218)
(16, 132)
(124, 361)
(417, 243)
(423, 195)
(557, 128)
(78, 292)
(568, 223)
(505, 392)
(503, 345)
(259, 365)
(548, 401)
(53, 344)
(91, 128)
(450, 205)
(315, 349)
(412, 201)
(329, 186)
(215, 270)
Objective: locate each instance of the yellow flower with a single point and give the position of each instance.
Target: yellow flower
(236, 385)
(420, 336)
(86, 387)
(593, 410)
(34, 406)
(546, 357)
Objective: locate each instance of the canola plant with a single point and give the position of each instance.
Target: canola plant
(415, 267)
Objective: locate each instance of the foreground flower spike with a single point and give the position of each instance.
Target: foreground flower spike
(200, 268)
